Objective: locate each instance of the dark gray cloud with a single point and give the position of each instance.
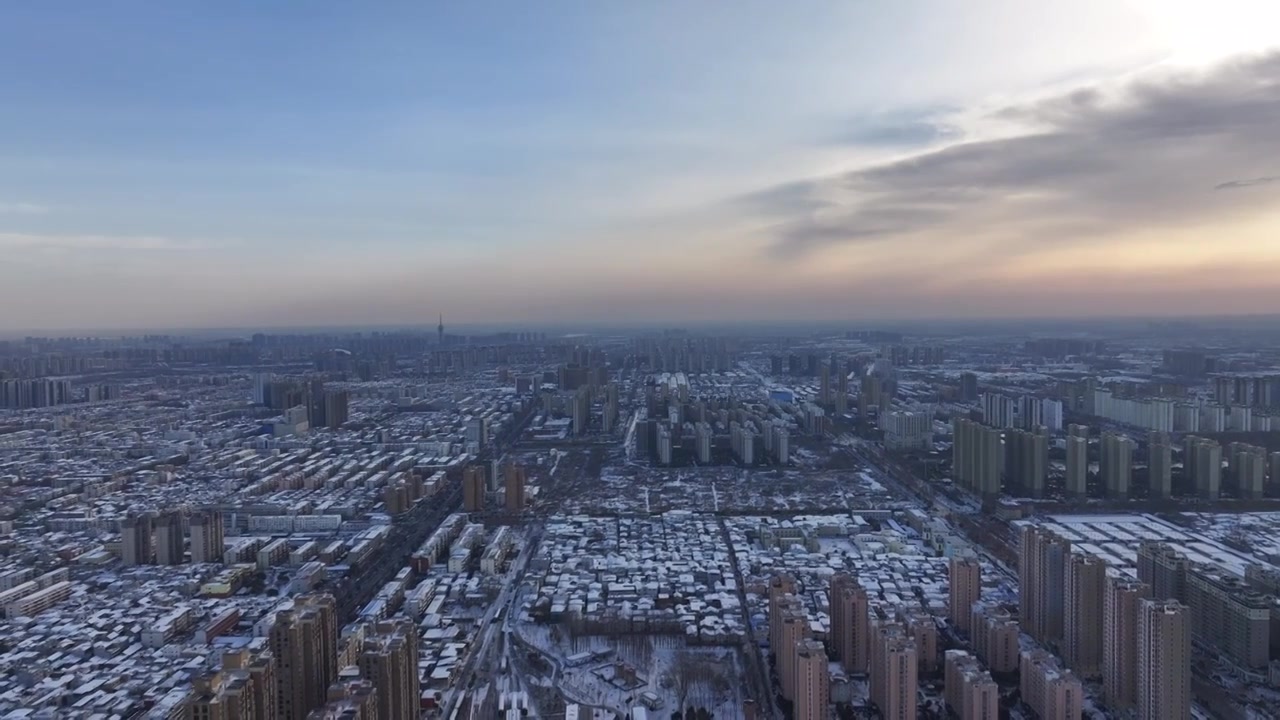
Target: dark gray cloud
(1233, 184)
(1093, 161)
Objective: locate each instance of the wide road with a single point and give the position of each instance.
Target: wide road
(482, 663)
(764, 687)
(409, 531)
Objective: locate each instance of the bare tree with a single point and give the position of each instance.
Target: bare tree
(644, 658)
(692, 674)
(681, 679)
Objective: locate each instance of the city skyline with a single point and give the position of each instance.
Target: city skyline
(1021, 520)
(223, 168)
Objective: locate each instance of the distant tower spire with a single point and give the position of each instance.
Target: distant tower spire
(440, 330)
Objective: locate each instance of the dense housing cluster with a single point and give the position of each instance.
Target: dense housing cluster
(409, 524)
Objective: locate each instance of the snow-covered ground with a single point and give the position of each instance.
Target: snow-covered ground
(675, 673)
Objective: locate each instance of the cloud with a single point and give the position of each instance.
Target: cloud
(1082, 165)
(1233, 184)
(95, 242)
(903, 128)
(784, 200)
(22, 208)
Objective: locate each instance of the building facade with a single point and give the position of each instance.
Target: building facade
(964, 581)
(1120, 641)
(1083, 621)
(1164, 661)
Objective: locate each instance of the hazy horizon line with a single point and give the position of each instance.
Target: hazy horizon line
(597, 327)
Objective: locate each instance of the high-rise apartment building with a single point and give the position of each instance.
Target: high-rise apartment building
(1184, 361)
(349, 700)
(1203, 457)
(514, 487)
(849, 622)
(22, 394)
(1077, 481)
(1265, 579)
(1116, 456)
(1261, 391)
(1147, 413)
(1228, 615)
(336, 408)
(995, 637)
(794, 630)
(1213, 419)
(813, 682)
(1248, 465)
(1042, 582)
(473, 488)
(907, 430)
(1186, 418)
(1052, 563)
(244, 689)
(1239, 419)
(1034, 468)
(304, 642)
(1028, 576)
(1163, 685)
(781, 442)
(968, 386)
(961, 461)
(999, 411)
(220, 697)
(842, 388)
(742, 440)
(824, 384)
(137, 546)
(609, 416)
(964, 581)
(665, 444)
(1120, 641)
(285, 394)
(901, 355)
(1163, 570)
(169, 540)
(968, 689)
(1273, 475)
(894, 673)
(781, 587)
(207, 536)
(1028, 460)
(389, 660)
(1160, 465)
(1063, 696)
(261, 670)
(1052, 692)
(1051, 414)
(581, 410)
(477, 433)
(1083, 621)
(924, 633)
(702, 440)
(873, 395)
(328, 408)
(977, 457)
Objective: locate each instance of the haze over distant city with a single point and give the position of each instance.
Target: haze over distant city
(246, 165)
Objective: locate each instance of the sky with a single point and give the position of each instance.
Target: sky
(247, 164)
